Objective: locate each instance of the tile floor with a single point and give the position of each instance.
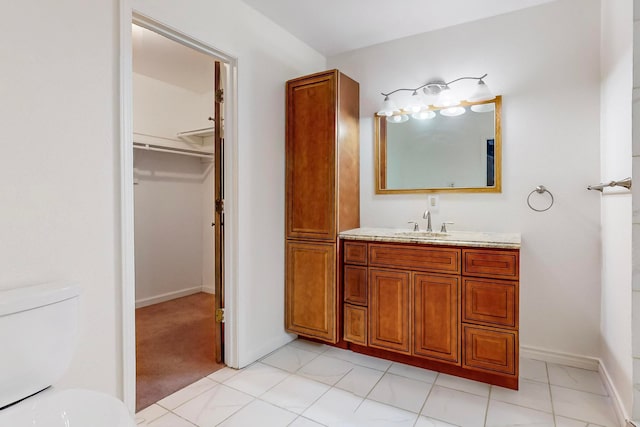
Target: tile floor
(304, 385)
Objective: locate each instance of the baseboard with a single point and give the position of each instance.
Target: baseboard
(210, 289)
(167, 296)
(622, 415)
(584, 362)
(561, 358)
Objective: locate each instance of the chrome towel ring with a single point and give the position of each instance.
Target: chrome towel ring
(540, 189)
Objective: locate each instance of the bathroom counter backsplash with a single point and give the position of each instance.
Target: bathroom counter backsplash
(451, 238)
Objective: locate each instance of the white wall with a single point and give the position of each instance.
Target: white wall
(59, 192)
(267, 57)
(549, 77)
(635, 275)
(60, 163)
(169, 238)
(173, 245)
(615, 150)
(163, 109)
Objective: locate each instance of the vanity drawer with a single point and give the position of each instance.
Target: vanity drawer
(418, 257)
(490, 350)
(355, 284)
(355, 324)
(490, 302)
(355, 253)
(500, 264)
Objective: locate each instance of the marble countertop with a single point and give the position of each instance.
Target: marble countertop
(450, 238)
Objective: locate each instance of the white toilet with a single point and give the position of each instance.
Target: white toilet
(38, 327)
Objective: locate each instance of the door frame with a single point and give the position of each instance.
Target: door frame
(127, 262)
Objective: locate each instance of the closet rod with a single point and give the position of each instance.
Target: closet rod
(170, 150)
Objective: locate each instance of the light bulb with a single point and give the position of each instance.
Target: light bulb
(483, 108)
(398, 118)
(415, 103)
(388, 107)
(447, 98)
(453, 111)
(482, 93)
(424, 115)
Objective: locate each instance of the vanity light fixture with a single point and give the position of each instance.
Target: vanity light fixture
(445, 98)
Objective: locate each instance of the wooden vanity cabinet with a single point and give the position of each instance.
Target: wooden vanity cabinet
(450, 309)
(322, 197)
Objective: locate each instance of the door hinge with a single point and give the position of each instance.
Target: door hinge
(219, 315)
(219, 206)
(220, 95)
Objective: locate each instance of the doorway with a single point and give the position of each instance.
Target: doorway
(178, 200)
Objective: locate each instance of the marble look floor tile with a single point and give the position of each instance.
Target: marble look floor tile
(333, 408)
(179, 397)
(576, 379)
(358, 359)
(149, 414)
(376, 414)
(170, 420)
(584, 406)
(256, 379)
(259, 413)
(304, 422)
(360, 380)
(502, 414)
(224, 374)
(213, 406)
(535, 370)
(430, 422)
(289, 358)
(295, 393)
(455, 407)
(463, 384)
(413, 372)
(327, 370)
(400, 392)
(568, 422)
(309, 346)
(531, 394)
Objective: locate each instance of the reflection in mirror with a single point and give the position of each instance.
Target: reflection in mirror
(440, 150)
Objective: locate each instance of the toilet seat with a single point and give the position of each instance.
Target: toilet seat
(67, 408)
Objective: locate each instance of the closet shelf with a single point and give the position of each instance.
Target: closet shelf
(197, 132)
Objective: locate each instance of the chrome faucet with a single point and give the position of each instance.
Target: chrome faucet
(427, 215)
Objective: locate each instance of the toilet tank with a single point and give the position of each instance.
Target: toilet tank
(38, 326)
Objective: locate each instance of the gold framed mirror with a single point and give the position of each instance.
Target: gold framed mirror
(444, 150)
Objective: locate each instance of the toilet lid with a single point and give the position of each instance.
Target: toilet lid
(67, 408)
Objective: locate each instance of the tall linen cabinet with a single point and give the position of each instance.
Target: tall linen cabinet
(322, 197)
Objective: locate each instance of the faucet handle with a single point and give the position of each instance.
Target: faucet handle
(443, 228)
(415, 225)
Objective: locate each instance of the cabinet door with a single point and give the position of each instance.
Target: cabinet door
(355, 284)
(310, 303)
(436, 317)
(311, 157)
(490, 302)
(389, 310)
(491, 350)
(355, 324)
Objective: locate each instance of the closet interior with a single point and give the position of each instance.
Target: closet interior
(173, 109)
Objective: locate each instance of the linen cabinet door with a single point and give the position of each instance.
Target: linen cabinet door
(311, 158)
(436, 317)
(310, 303)
(389, 310)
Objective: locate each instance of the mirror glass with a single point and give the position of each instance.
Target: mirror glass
(441, 152)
